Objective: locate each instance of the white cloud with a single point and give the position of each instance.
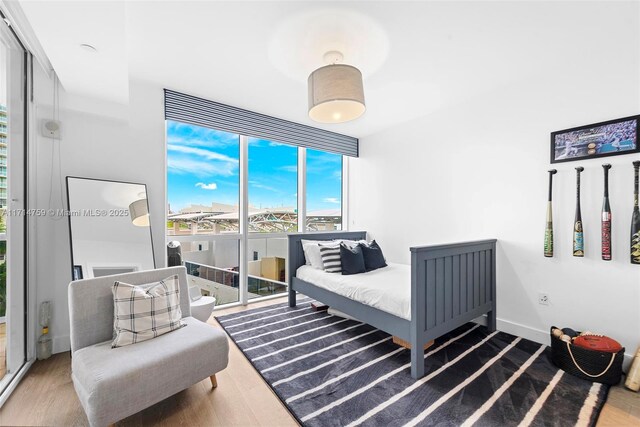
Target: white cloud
(202, 169)
(201, 152)
(334, 200)
(210, 186)
(200, 162)
(185, 134)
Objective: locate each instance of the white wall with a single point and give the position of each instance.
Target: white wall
(479, 170)
(108, 141)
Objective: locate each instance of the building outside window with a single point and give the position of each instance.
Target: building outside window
(203, 206)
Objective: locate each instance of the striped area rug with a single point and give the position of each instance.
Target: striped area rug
(331, 371)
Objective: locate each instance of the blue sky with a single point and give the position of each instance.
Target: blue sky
(203, 168)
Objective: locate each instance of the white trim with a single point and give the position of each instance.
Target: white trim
(345, 193)
(225, 306)
(32, 223)
(13, 381)
(302, 190)
(165, 208)
(244, 220)
(533, 334)
(20, 24)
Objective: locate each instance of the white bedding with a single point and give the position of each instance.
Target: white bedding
(387, 289)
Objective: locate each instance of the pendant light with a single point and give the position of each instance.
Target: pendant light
(336, 94)
(139, 212)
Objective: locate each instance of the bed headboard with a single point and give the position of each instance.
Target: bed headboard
(296, 254)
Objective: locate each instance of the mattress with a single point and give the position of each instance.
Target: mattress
(387, 289)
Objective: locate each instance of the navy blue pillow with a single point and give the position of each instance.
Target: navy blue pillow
(352, 260)
(373, 257)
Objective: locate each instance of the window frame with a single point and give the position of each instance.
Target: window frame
(243, 235)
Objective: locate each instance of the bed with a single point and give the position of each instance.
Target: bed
(448, 286)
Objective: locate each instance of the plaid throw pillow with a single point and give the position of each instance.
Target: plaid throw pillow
(331, 258)
(145, 311)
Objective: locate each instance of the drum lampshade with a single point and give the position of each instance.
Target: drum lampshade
(139, 212)
(336, 94)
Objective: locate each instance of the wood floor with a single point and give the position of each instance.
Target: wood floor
(46, 397)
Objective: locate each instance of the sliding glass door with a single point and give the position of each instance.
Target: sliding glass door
(12, 204)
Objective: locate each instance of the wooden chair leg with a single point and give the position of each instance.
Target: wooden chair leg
(214, 381)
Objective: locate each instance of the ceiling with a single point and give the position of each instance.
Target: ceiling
(416, 57)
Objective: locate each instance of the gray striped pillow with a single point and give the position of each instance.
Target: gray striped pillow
(331, 258)
(145, 311)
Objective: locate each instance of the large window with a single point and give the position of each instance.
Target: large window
(273, 187)
(324, 191)
(210, 174)
(203, 183)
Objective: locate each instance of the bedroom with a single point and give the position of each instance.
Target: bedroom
(454, 146)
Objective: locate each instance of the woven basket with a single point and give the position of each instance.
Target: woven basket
(591, 365)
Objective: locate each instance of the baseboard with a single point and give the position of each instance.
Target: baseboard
(533, 334)
(61, 344)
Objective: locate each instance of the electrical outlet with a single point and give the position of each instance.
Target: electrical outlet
(543, 299)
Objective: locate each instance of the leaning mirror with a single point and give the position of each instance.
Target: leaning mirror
(109, 227)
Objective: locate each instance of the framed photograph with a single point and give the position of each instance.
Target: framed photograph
(77, 272)
(609, 138)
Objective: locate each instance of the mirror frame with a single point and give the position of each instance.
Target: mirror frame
(153, 255)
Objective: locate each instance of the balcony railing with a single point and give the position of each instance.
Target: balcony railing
(225, 283)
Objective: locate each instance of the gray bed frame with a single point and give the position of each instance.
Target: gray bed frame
(451, 285)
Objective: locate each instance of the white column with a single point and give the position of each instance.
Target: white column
(244, 219)
(302, 190)
(345, 193)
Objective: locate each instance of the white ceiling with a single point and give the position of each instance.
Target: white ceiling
(417, 57)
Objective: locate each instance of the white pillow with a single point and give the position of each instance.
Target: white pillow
(146, 311)
(312, 255)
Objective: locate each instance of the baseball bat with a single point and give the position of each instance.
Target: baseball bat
(548, 232)
(606, 217)
(578, 235)
(635, 219)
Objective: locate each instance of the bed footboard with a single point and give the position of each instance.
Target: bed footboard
(451, 285)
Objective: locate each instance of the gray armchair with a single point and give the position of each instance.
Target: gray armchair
(113, 384)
